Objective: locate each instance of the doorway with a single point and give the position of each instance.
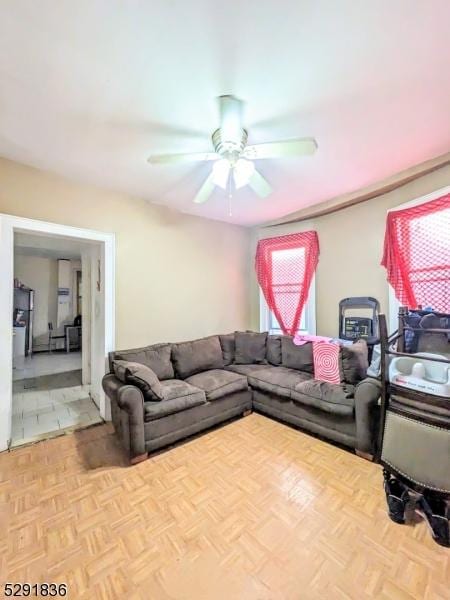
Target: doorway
(62, 304)
(50, 395)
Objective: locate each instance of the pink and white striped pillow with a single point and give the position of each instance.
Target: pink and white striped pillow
(326, 362)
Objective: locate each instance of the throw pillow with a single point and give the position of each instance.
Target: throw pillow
(326, 362)
(250, 348)
(141, 376)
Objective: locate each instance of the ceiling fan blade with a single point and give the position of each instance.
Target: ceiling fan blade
(230, 109)
(205, 191)
(295, 147)
(170, 159)
(259, 184)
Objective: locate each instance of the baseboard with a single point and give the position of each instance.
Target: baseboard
(364, 455)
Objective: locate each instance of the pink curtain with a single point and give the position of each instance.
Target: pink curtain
(417, 254)
(285, 266)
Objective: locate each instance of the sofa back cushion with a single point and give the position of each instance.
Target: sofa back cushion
(354, 362)
(296, 357)
(199, 355)
(141, 376)
(274, 350)
(228, 348)
(156, 357)
(250, 348)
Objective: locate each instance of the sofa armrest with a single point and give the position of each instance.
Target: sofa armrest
(367, 414)
(129, 400)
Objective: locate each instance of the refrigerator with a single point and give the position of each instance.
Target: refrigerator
(23, 313)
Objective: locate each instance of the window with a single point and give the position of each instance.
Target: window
(417, 254)
(268, 321)
(285, 269)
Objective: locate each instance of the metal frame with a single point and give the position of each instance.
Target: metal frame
(386, 343)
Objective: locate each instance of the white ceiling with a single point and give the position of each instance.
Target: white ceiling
(47, 246)
(90, 88)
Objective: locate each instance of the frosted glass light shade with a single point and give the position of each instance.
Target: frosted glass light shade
(242, 172)
(221, 171)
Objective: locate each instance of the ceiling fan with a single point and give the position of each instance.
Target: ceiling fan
(233, 158)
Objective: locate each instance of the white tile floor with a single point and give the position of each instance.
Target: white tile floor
(46, 364)
(41, 414)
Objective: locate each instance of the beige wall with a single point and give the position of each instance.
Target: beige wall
(180, 277)
(177, 277)
(351, 244)
(41, 275)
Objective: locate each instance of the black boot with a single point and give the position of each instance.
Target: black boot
(436, 511)
(397, 498)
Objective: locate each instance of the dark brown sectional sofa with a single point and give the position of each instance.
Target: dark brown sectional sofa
(166, 392)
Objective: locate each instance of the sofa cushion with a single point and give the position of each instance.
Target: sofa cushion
(330, 397)
(296, 357)
(277, 380)
(250, 347)
(197, 356)
(218, 383)
(228, 348)
(178, 396)
(141, 376)
(354, 361)
(245, 369)
(157, 357)
(273, 354)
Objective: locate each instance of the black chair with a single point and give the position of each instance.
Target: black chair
(52, 337)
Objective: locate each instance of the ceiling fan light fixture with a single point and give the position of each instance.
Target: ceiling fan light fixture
(242, 172)
(221, 172)
(233, 156)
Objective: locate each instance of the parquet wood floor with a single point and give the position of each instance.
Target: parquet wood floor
(253, 510)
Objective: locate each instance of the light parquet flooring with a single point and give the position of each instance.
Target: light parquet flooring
(253, 510)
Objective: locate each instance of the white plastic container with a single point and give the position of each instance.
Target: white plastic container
(418, 373)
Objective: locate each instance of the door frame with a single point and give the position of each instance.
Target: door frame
(8, 225)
